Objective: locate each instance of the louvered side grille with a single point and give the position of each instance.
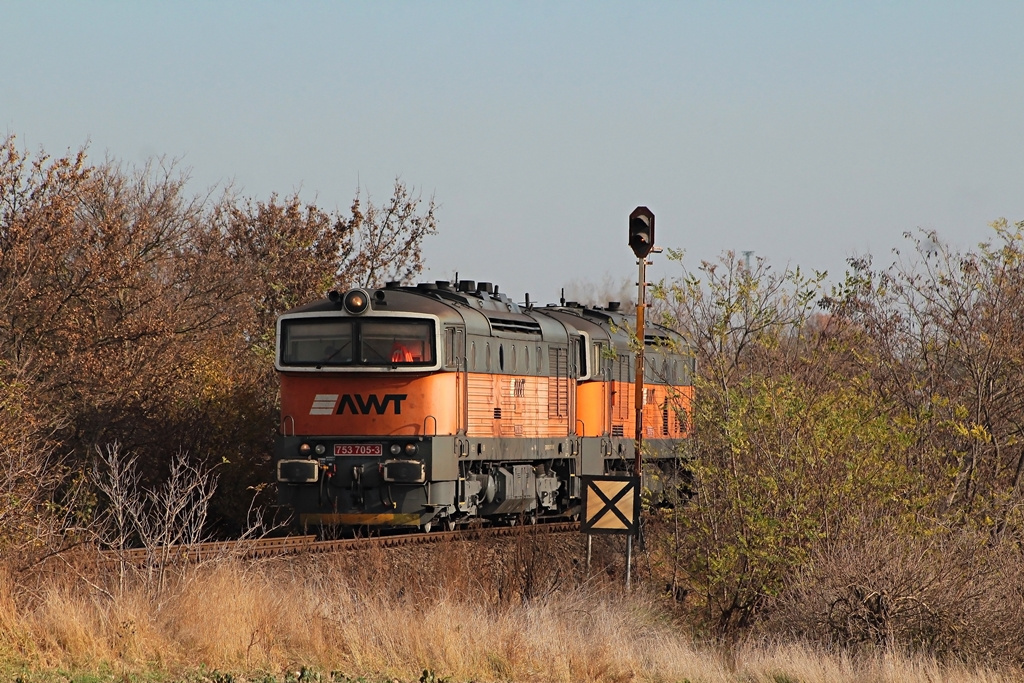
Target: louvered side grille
(517, 326)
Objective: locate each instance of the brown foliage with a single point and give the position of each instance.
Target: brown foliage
(387, 238)
(131, 311)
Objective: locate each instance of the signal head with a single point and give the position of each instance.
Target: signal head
(641, 231)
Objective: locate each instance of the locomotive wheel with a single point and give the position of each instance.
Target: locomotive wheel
(427, 526)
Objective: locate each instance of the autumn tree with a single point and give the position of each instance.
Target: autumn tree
(386, 239)
(949, 354)
(292, 253)
(134, 312)
(786, 446)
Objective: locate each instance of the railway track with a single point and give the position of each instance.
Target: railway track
(297, 545)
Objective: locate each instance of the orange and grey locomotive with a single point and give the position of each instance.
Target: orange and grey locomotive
(443, 403)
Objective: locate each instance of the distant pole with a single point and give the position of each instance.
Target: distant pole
(641, 304)
(629, 560)
(638, 400)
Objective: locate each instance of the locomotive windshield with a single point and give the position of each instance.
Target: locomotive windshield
(344, 342)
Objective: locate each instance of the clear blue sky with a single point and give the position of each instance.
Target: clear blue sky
(803, 131)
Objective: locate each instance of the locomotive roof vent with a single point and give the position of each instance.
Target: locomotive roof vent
(426, 286)
(467, 286)
(614, 305)
(485, 287)
(444, 284)
(393, 284)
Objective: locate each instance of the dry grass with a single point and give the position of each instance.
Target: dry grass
(457, 610)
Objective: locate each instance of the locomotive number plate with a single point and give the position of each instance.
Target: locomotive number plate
(358, 449)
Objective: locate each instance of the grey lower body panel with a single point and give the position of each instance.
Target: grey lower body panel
(451, 476)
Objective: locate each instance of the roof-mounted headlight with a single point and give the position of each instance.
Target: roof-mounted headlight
(356, 301)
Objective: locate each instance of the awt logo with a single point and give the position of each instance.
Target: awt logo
(357, 404)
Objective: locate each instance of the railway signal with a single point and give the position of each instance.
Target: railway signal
(641, 231)
(641, 241)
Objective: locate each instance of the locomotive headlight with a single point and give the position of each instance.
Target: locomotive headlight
(320, 449)
(411, 449)
(356, 301)
(305, 450)
(396, 449)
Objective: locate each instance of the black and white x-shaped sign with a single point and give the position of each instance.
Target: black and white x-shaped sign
(611, 505)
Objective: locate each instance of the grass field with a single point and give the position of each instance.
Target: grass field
(519, 610)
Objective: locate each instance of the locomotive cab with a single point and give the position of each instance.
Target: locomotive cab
(362, 400)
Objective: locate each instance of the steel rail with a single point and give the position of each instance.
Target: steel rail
(295, 545)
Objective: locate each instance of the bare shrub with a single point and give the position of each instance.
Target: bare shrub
(172, 513)
(41, 503)
(953, 595)
(22, 470)
(161, 518)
